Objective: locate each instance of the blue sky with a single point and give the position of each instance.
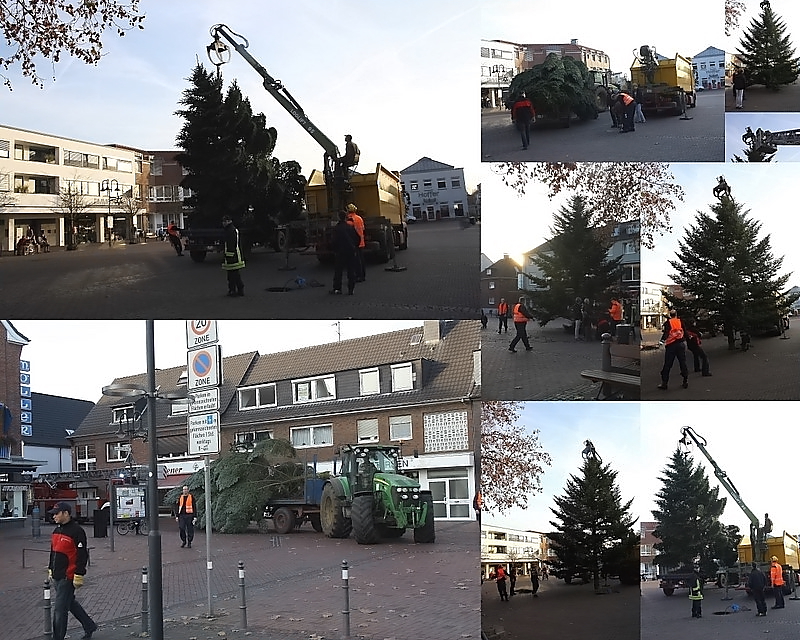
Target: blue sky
(399, 77)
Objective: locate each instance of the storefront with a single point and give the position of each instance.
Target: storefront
(451, 480)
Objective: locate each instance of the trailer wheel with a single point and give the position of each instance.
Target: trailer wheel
(284, 520)
(425, 533)
(198, 256)
(313, 518)
(332, 519)
(364, 528)
(668, 591)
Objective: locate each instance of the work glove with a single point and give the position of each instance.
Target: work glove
(77, 581)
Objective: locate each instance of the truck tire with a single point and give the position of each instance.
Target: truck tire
(386, 244)
(284, 520)
(313, 518)
(404, 244)
(334, 524)
(364, 528)
(668, 591)
(426, 533)
(198, 256)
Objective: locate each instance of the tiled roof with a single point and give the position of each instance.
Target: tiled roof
(53, 417)
(426, 164)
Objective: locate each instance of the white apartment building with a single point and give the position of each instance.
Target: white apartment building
(710, 68)
(523, 549)
(654, 307)
(436, 190)
(498, 67)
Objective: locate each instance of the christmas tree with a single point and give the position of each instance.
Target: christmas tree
(766, 53)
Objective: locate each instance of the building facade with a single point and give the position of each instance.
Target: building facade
(499, 65)
(165, 196)
(594, 59)
(710, 67)
(647, 552)
(436, 190)
(499, 280)
(512, 548)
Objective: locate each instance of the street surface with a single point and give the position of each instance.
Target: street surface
(398, 590)
(661, 139)
(151, 281)
(766, 371)
(668, 618)
(561, 612)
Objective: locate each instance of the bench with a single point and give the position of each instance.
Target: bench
(617, 383)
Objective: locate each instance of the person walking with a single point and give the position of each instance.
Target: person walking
(512, 576)
(357, 222)
(587, 319)
(693, 343)
(696, 593)
(484, 319)
(628, 105)
(233, 262)
(739, 85)
(502, 315)
(521, 317)
(638, 115)
(185, 515)
(615, 314)
(69, 554)
(345, 245)
(756, 583)
(577, 317)
(174, 235)
(777, 581)
(674, 339)
(522, 114)
(535, 581)
(500, 577)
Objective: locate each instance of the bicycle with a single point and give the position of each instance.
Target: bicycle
(133, 524)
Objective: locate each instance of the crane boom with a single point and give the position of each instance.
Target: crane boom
(768, 141)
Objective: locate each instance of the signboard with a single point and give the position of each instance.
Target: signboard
(204, 368)
(200, 333)
(204, 433)
(130, 502)
(26, 405)
(204, 401)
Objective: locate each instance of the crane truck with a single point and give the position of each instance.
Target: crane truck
(378, 196)
(668, 84)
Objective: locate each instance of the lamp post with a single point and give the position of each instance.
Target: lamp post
(109, 185)
(151, 394)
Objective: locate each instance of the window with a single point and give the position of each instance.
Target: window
(117, 451)
(629, 247)
(444, 210)
(5, 182)
(369, 382)
(368, 430)
(157, 167)
(491, 301)
(5, 147)
(122, 414)
(489, 271)
(455, 183)
(414, 185)
(491, 284)
(85, 457)
(400, 427)
(427, 184)
(630, 273)
(316, 436)
(441, 183)
(458, 208)
(247, 440)
(314, 389)
(255, 397)
(83, 160)
(162, 193)
(402, 377)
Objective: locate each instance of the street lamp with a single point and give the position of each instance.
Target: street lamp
(109, 185)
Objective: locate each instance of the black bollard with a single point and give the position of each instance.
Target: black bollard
(145, 610)
(346, 587)
(48, 621)
(243, 605)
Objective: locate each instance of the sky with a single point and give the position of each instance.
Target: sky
(395, 75)
(736, 124)
(616, 33)
(77, 358)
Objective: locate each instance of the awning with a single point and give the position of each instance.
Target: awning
(170, 482)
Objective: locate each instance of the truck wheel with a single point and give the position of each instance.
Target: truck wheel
(364, 528)
(198, 256)
(386, 245)
(313, 518)
(425, 533)
(668, 591)
(404, 244)
(284, 520)
(334, 524)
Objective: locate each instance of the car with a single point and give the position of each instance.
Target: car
(411, 218)
(700, 87)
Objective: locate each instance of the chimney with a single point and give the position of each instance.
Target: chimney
(431, 332)
(574, 41)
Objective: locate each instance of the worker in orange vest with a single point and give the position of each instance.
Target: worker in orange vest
(674, 341)
(521, 315)
(628, 110)
(615, 312)
(500, 576)
(776, 578)
(502, 313)
(185, 515)
(357, 222)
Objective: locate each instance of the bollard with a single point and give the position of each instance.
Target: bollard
(606, 342)
(145, 610)
(48, 621)
(346, 612)
(36, 523)
(243, 605)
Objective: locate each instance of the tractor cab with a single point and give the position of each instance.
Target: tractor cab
(361, 463)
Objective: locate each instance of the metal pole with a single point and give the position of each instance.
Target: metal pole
(154, 535)
(243, 605)
(48, 622)
(346, 587)
(209, 561)
(111, 501)
(145, 610)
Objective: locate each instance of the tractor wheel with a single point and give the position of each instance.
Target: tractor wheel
(364, 528)
(313, 518)
(284, 520)
(332, 519)
(425, 533)
(390, 532)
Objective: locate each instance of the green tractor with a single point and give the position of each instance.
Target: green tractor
(372, 499)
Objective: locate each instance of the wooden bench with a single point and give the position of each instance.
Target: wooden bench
(617, 383)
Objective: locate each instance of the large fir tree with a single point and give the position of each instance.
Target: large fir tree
(574, 263)
(766, 53)
(731, 274)
(593, 525)
(688, 519)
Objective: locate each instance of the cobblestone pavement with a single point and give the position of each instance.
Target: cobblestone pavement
(561, 612)
(667, 618)
(660, 139)
(759, 99)
(767, 371)
(398, 590)
(552, 371)
(151, 281)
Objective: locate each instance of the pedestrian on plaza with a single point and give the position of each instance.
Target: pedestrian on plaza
(674, 341)
(477, 505)
(603, 326)
(522, 114)
(174, 235)
(611, 101)
(521, 317)
(535, 581)
(739, 85)
(756, 583)
(357, 222)
(185, 512)
(484, 319)
(777, 581)
(233, 262)
(69, 555)
(500, 578)
(638, 115)
(615, 313)
(577, 317)
(345, 245)
(502, 314)
(545, 573)
(587, 319)
(628, 105)
(512, 576)
(693, 343)
(43, 243)
(696, 593)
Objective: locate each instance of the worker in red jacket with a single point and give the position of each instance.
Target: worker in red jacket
(522, 114)
(628, 111)
(776, 578)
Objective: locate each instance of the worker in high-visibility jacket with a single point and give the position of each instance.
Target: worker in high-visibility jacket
(357, 222)
(776, 578)
(502, 314)
(628, 111)
(233, 262)
(674, 341)
(696, 593)
(185, 514)
(520, 316)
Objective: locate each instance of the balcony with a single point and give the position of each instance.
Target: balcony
(36, 153)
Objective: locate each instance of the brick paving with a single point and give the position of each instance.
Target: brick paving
(398, 590)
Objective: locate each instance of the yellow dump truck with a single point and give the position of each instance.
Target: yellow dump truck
(668, 84)
(784, 547)
(380, 201)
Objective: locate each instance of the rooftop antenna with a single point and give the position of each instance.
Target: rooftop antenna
(338, 326)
